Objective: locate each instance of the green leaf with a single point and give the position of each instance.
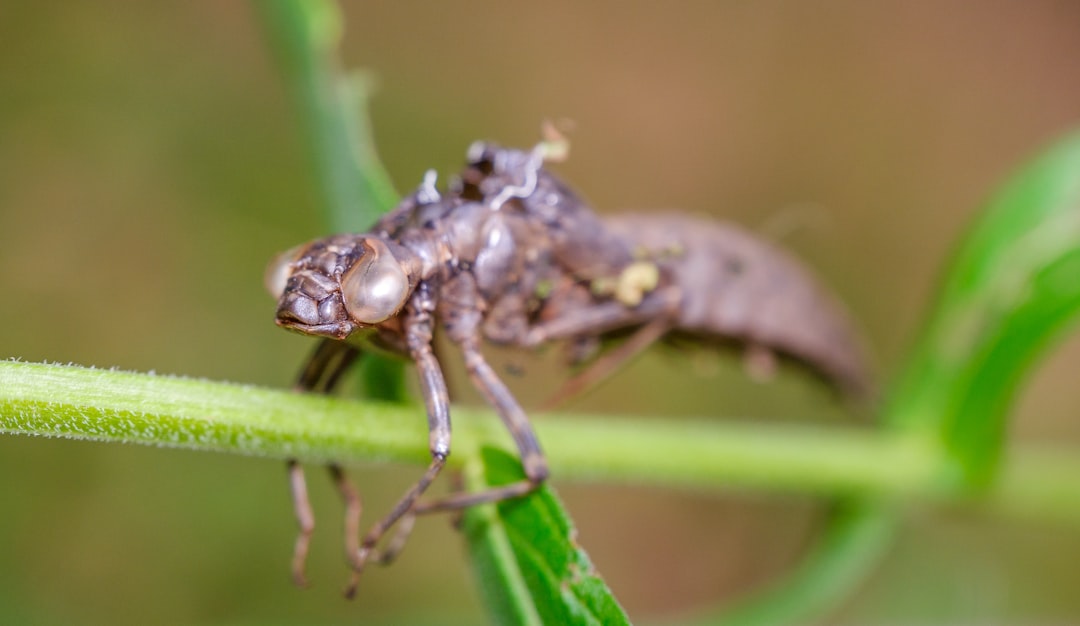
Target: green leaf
(859, 533)
(530, 567)
(1013, 287)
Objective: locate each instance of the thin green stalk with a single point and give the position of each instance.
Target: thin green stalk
(106, 405)
(858, 535)
(333, 104)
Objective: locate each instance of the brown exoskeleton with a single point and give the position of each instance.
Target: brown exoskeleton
(511, 255)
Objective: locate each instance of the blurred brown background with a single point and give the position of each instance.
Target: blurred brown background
(151, 161)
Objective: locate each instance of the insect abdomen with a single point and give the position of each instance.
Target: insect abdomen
(736, 286)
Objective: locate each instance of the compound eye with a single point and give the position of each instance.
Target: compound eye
(376, 287)
(280, 269)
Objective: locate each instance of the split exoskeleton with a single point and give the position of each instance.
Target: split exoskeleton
(509, 254)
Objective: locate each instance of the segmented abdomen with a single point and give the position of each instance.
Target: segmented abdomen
(738, 287)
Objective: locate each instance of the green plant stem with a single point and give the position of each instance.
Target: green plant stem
(706, 454)
(333, 104)
(858, 534)
(1010, 293)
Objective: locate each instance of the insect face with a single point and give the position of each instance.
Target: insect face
(335, 286)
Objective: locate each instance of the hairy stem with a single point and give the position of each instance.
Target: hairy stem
(703, 454)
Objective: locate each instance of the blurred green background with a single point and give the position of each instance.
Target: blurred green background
(152, 161)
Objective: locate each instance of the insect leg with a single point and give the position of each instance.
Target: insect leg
(405, 526)
(463, 319)
(325, 366)
(603, 317)
(353, 509)
(606, 364)
(401, 509)
(320, 374)
(305, 519)
(513, 416)
(400, 538)
(418, 335)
